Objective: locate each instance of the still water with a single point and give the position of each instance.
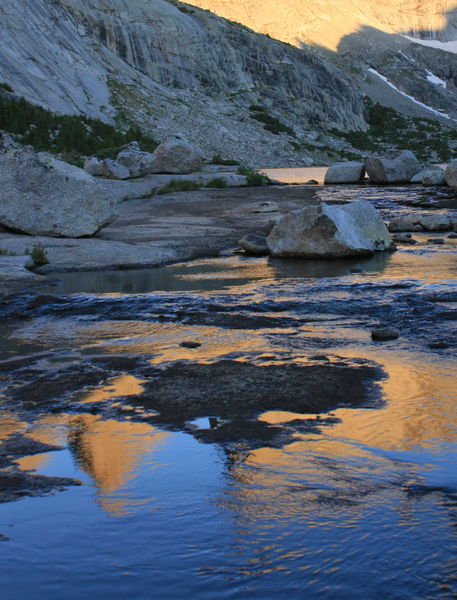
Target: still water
(361, 507)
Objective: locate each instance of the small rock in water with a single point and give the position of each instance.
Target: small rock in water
(439, 345)
(452, 236)
(356, 270)
(404, 238)
(435, 240)
(312, 182)
(4, 538)
(383, 334)
(190, 344)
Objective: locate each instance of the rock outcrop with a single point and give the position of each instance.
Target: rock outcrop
(346, 172)
(395, 166)
(40, 195)
(330, 231)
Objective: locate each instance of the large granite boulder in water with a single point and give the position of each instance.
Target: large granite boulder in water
(395, 166)
(326, 231)
(40, 195)
(177, 155)
(451, 174)
(346, 172)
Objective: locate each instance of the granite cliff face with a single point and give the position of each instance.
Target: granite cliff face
(409, 43)
(171, 68)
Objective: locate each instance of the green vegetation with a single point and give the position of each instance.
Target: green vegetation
(427, 138)
(176, 185)
(4, 252)
(39, 255)
(71, 136)
(6, 87)
(217, 182)
(270, 123)
(254, 178)
(218, 160)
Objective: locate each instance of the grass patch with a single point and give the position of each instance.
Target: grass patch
(176, 185)
(270, 123)
(217, 182)
(218, 160)
(254, 178)
(71, 136)
(39, 255)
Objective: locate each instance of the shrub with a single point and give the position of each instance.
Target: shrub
(270, 123)
(176, 185)
(254, 178)
(218, 160)
(73, 135)
(6, 87)
(217, 182)
(39, 255)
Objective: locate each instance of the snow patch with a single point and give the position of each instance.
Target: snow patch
(435, 80)
(429, 108)
(446, 46)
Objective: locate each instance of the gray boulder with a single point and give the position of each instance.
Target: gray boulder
(326, 231)
(108, 168)
(434, 176)
(395, 166)
(40, 195)
(450, 174)
(138, 163)
(421, 222)
(346, 172)
(177, 155)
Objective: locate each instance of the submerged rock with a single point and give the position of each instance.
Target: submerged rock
(346, 172)
(330, 231)
(40, 195)
(254, 244)
(383, 334)
(395, 166)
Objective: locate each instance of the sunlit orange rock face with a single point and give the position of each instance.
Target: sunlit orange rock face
(327, 22)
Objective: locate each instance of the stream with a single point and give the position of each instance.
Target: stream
(175, 399)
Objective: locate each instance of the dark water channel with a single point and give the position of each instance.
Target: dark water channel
(203, 474)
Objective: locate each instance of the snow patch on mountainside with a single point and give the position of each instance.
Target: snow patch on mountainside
(446, 46)
(421, 104)
(436, 80)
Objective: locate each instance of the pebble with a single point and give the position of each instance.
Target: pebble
(435, 240)
(452, 236)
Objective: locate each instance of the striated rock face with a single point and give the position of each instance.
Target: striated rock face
(40, 195)
(171, 70)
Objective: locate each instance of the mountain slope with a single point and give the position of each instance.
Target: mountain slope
(409, 42)
(173, 68)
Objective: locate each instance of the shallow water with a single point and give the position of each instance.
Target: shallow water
(361, 506)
